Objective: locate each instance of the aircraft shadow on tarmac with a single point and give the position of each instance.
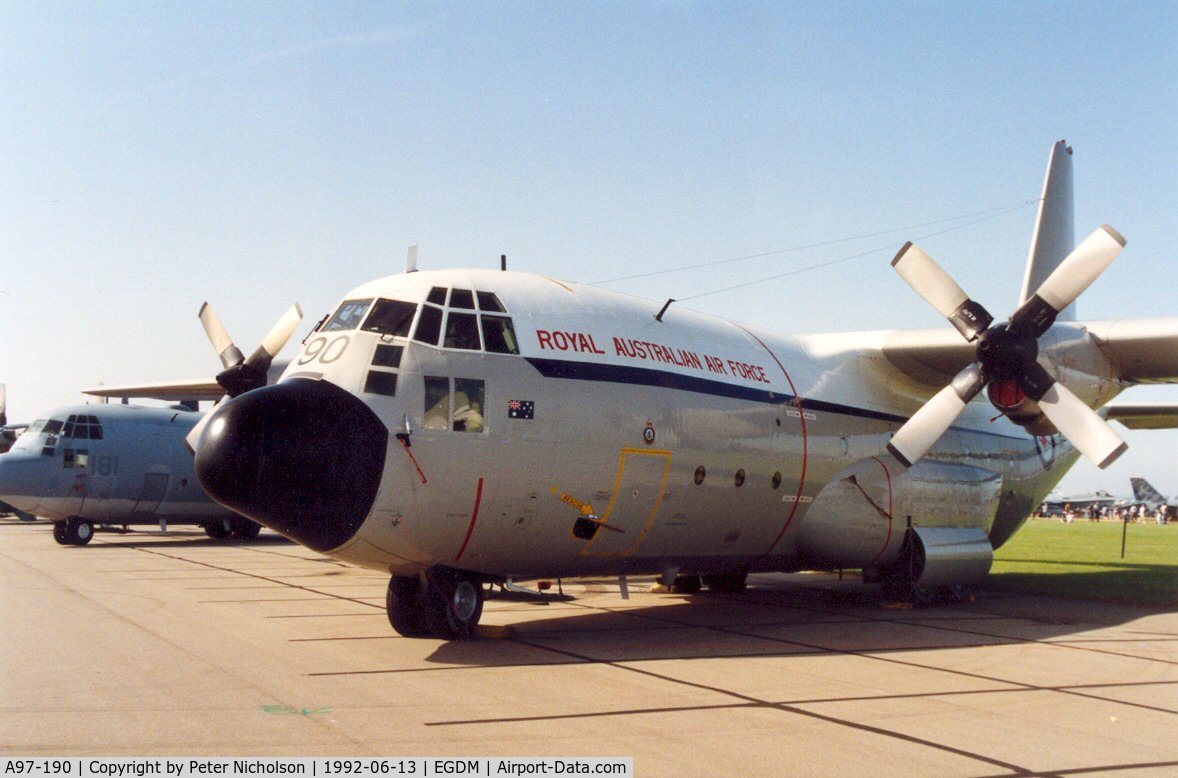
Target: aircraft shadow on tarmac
(780, 619)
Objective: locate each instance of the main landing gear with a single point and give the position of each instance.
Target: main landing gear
(237, 527)
(440, 602)
(73, 531)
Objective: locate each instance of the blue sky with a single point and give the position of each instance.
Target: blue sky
(155, 155)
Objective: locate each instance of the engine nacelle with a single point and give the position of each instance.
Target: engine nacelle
(860, 517)
(948, 556)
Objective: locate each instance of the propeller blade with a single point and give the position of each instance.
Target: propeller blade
(277, 338)
(939, 290)
(194, 434)
(219, 336)
(913, 440)
(1087, 431)
(1068, 281)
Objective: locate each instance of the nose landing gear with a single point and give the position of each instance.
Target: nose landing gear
(73, 532)
(442, 602)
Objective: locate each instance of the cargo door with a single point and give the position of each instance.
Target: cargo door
(638, 494)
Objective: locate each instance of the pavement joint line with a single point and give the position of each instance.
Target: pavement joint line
(258, 577)
(800, 711)
(1096, 769)
(867, 654)
(1043, 642)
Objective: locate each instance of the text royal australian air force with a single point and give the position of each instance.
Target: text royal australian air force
(650, 353)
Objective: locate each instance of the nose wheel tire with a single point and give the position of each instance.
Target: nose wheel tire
(73, 532)
(441, 602)
(403, 604)
(454, 605)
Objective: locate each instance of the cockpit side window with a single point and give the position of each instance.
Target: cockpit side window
(429, 325)
(390, 317)
(348, 316)
(499, 335)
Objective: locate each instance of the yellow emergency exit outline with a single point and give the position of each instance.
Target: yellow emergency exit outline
(614, 498)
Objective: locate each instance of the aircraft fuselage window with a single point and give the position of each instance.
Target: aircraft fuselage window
(499, 335)
(462, 331)
(72, 458)
(437, 403)
(462, 298)
(348, 316)
(469, 397)
(429, 325)
(380, 382)
(390, 317)
(387, 356)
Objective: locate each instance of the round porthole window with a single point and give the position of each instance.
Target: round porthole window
(740, 477)
(700, 474)
(776, 480)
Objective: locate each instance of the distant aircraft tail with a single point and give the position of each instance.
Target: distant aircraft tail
(1143, 492)
(1054, 236)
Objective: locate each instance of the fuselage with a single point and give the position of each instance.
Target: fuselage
(516, 425)
(111, 464)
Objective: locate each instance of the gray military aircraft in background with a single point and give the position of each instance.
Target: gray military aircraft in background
(1152, 499)
(463, 427)
(122, 465)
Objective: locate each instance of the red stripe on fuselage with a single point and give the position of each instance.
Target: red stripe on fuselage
(474, 517)
(888, 539)
(805, 443)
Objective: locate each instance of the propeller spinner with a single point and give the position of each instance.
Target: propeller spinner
(1009, 351)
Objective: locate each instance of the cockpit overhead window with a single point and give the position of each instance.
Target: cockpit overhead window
(437, 296)
(490, 302)
(390, 317)
(53, 427)
(462, 298)
(348, 316)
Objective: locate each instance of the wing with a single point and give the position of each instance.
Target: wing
(172, 391)
(1142, 351)
(1144, 416)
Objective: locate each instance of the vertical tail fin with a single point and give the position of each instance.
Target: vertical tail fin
(1054, 236)
(1143, 492)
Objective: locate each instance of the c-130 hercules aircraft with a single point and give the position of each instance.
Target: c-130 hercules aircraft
(460, 427)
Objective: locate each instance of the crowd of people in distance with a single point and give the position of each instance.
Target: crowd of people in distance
(1094, 512)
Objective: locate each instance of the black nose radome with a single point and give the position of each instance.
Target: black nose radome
(302, 457)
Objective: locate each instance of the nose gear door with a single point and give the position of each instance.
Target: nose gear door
(638, 494)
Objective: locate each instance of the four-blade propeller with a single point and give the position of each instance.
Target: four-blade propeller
(241, 374)
(1009, 351)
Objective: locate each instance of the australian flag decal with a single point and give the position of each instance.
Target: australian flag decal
(521, 409)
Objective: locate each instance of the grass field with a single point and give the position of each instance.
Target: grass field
(1083, 559)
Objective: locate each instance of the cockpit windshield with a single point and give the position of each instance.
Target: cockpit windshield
(390, 317)
(348, 316)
